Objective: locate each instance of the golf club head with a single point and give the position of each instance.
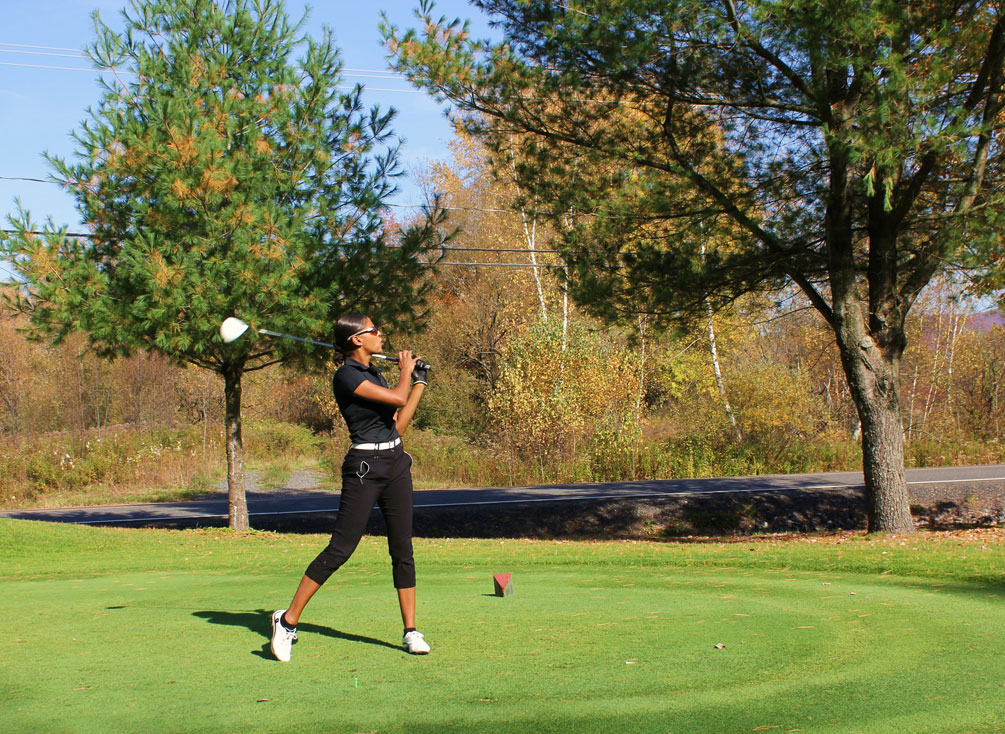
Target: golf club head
(232, 329)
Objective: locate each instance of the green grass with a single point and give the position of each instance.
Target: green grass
(147, 630)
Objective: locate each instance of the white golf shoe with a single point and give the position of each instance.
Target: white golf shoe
(282, 638)
(415, 643)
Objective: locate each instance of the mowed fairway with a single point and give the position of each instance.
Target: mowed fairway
(167, 631)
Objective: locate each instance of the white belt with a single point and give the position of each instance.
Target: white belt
(377, 446)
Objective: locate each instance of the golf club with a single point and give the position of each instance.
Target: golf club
(233, 329)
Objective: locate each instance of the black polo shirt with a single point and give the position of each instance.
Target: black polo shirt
(368, 421)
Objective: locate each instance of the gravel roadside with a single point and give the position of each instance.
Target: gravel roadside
(934, 506)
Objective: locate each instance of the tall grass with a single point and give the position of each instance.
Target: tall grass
(152, 463)
(131, 462)
(450, 461)
(440, 460)
(953, 452)
(117, 459)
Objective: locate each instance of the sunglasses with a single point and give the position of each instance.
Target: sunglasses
(371, 330)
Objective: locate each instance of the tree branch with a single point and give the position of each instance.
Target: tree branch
(990, 78)
(797, 81)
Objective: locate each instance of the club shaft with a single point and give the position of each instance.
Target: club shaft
(296, 338)
(420, 364)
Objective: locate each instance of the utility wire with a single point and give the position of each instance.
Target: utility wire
(459, 209)
(495, 265)
(352, 72)
(80, 235)
(396, 206)
(445, 248)
(49, 48)
(133, 73)
(450, 248)
(390, 74)
(15, 46)
(40, 53)
(60, 68)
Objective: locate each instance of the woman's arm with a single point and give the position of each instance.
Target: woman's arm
(404, 416)
(399, 394)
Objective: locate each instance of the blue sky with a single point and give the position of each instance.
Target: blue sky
(39, 107)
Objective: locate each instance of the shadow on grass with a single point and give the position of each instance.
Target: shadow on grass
(259, 621)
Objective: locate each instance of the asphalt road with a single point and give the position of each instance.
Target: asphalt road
(285, 502)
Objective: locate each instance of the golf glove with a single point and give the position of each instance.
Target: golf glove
(419, 376)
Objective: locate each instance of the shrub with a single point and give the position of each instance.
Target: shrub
(557, 396)
(71, 462)
(952, 452)
(776, 408)
(265, 439)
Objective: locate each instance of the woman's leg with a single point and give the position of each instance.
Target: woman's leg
(305, 591)
(395, 504)
(359, 492)
(406, 600)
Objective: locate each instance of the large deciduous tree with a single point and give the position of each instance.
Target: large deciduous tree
(852, 149)
(221, 175)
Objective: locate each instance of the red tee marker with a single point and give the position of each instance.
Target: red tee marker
(504, 585)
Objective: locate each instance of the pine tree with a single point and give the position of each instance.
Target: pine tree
(220, 175)
(850, 149)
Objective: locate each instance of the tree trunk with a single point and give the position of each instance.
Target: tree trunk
(719, 383)
(715, 362)
(565, 312)
(873, 378)
(236, 500)
(530, 237)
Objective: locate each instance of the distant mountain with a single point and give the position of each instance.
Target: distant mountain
(986, 320)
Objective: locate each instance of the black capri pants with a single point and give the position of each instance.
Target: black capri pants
(383, 478)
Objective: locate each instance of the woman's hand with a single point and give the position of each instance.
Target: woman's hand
(406, 363)
(397, 396)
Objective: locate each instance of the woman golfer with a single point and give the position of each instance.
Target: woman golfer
(375, 471)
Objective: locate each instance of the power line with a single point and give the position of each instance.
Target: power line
(360, 73)
(365, 73)
(445, 247)
(450, 248)
(497, 265)
(133, 73)
(457, 208)
(81, 235)
(391, 74)
(40, 53)
(60, 68)
(396, 206)
(15, 46)
(77, 235)
(382, 89)
(49, 48)
(339, 86)
(350, 71)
